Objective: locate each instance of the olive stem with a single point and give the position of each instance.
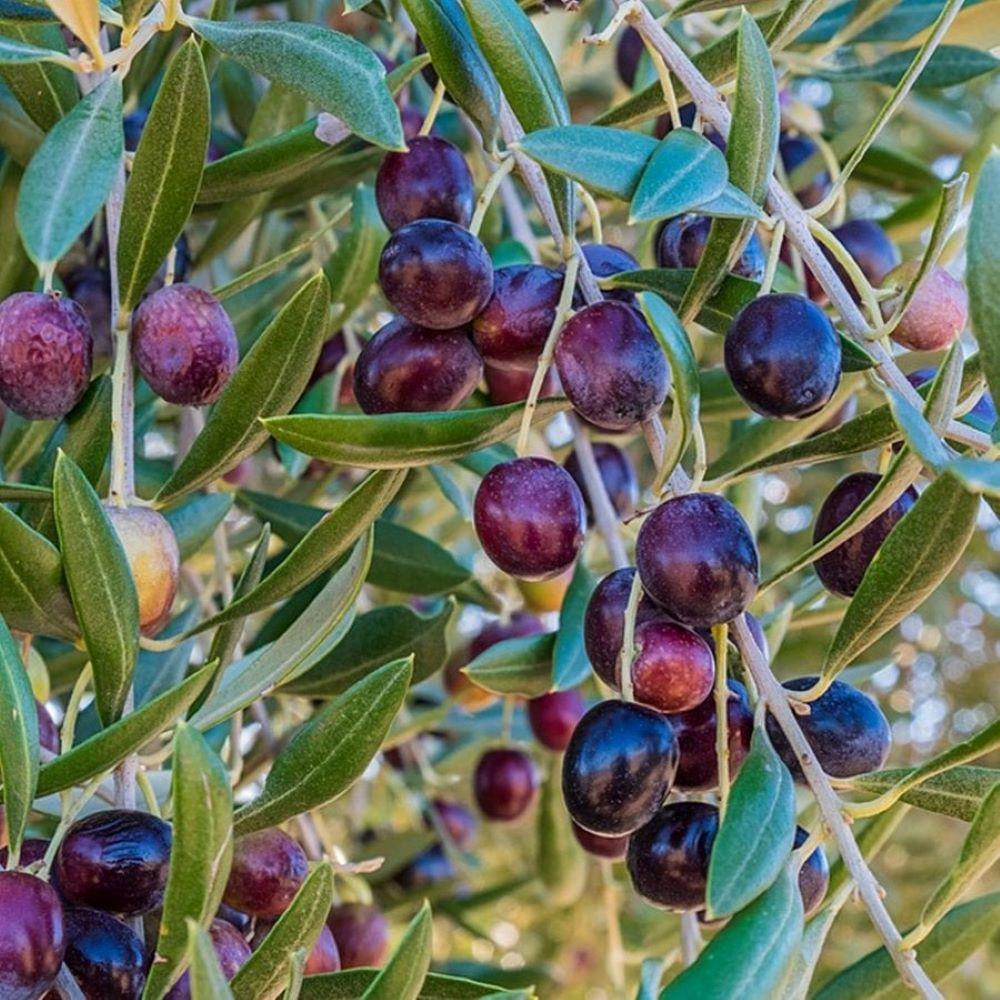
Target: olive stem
(773, 257)
(850, 266)
(616, 949)
(432, 111)
(628, 639)
(67, 986)
(720, 633)
(489, 191)
(690, 938)
(596, 226)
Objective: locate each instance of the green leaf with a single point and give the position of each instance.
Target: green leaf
(166, 173)
(411, 563)
(684, 171)
(955, 938)
(917, 432)
(100, 584)
(352, 983)
(948, 65)
(520, 666)
(337, 73)
(331, 751)
(756, 836)
(113, 744)
(570, 665)
(353, 267)
(12, 51)
(606, 161)
(983, 269)
(18, 742)
(442, 27)
(200, 856)
(561, 865)
(70, 175)
(265, 973)
(207, 981)
(750, 955)
(401, 440)
(380, 636)
(47, 93)
(317, 630)
(268, 381)
(958, 792)
(407, 967)
(917, 555)
(527, 76)
(194, 521)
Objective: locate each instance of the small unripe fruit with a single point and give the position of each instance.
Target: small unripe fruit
(46, 353)
(361, 933)
(184, 345)
(268, 869)
(32, 936)
(154, 559)
(937, 313)
(505, 784)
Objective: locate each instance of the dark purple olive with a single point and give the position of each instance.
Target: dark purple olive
(875, 254)
(664, 126)
(605, 260)
(32, 936)
(32, 850)
(554, 716)
(231, 950)
(783, 356)
(361, 933)
(46, 353)
(114, 861)
(48, 732)
(436, 274)
(842, 568)
(530, 518)
(681, 241)
(984, 410)
(458, 822)
(430, 181)
(105, 955)
(619, 767)
(627, 54)
(673, 669)
(847, 731)
(505, 784)
(617, 474)
(428, 868)
(512, 385)
(611, 366)
(608, 848)
(814, 875)
(90, 288)
(805, 168)
(668, 858)
(268, 869)
(408, 369)
(697, 559)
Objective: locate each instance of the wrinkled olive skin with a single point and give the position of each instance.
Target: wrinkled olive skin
(814, 876)
(430, 181)
(668, 858)
(611, 367)
(268, 869)
(617, 474)
(783, 356)
(681, 244)
(436, 274)
(105, 955)
(842, 569)
(608, 848)
(114, 861)
(847, 731)
(554, 716)
(361, 933)
(231, 950)
(32, 936)
(530, 518)
(795, 151)
(697, 560)
(619, 767)
(505, 784)
(673, 669)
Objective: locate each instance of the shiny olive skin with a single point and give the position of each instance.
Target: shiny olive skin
(505, 784)
(617, 474)
(618, 768)
(847, 731)
(430, 181)
(408, 369)
(814, 876)
(436, 274)
(511, 331)
(800, 151)
(842, 569)
(231, 950)
(114, 861)
(668, 858)
(697, 559)
(783, 356)
(530, 518)
(105, 955)
(608, 848)
(673, 669)
(32, 936)
(362, 934)
(606, 259)
(554, 716)
(875, 254)
(268, 869)
(611, 367)
(681, 241)
(698, 767)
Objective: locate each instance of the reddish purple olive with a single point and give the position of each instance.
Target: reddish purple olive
(505, 784)
(805, 168)
(673, 669)
(874, 253)
(512, 385)
(681, 241)
(323, 957)
(698, 768)
(114, 861)
(608, 848)
(105, 955)
(32, 936)
(611, 366)
(184, 345)
(617, 474)
(530, 518)
(32, 850)
(619, 767)
(331, 354)
(841, 569)
(231, 950)
(847, 731)
(937, 313)
(408, 369)
(46, 354)
(511, 331)
(458, 822)
(268, 869)
(814, 876)
(430, 181)
(361, 933)
(668, 858)
(605, 260)
(783, 356)
(697, 559)
(554, 716)
(436, 274)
